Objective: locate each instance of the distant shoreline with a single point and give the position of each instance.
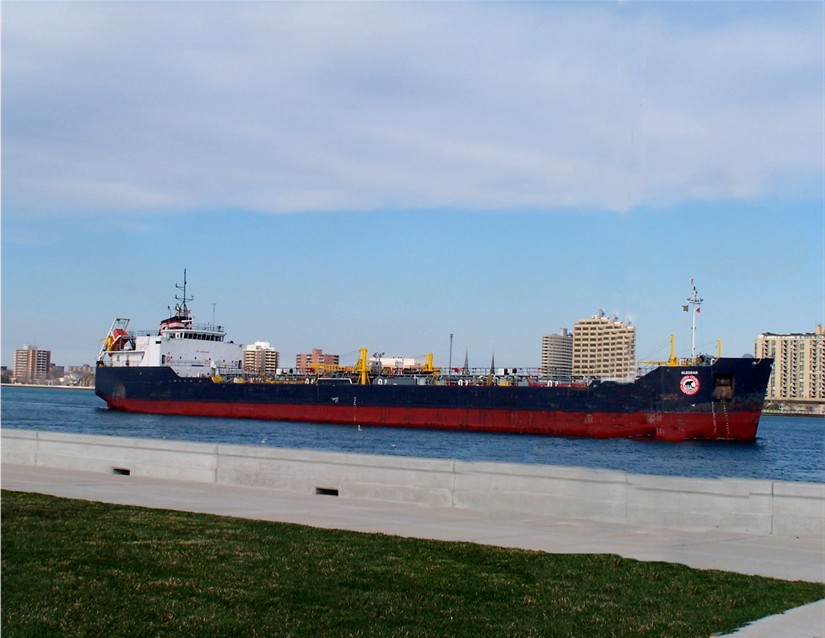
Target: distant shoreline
(791, 413)
(48, 386)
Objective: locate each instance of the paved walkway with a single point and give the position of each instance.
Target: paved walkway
(787, 558)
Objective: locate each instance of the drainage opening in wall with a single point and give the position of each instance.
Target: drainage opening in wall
(122, 471)
(327, 491)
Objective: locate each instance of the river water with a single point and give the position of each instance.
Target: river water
(786, 448)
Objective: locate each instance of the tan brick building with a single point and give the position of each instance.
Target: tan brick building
(799, 365)
(261, 358)
(604, 348)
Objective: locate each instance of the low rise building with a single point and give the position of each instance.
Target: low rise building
(307, 363)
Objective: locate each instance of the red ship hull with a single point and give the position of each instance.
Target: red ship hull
(666, 427)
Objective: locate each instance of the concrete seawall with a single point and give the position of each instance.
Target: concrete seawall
(777, 508)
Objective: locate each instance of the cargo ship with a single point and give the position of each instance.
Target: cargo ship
(185, 368)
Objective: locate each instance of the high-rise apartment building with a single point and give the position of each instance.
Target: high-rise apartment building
(604, 348)
(305, 362)
(799, 365)
(261, 358)
(31, 364)
(557, 355)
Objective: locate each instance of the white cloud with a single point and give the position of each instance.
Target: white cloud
(290, 106)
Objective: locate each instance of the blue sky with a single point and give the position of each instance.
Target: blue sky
(340, 175)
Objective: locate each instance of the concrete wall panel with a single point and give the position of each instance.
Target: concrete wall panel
(798, 509)
(694, 503)
(397, 479)
(553, 491)
(173, 460)
(741, 505)
(19, 446)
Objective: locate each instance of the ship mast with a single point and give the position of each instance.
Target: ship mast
(694, 301)
(183, 308)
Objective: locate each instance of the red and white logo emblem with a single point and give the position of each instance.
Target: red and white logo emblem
(689, 385)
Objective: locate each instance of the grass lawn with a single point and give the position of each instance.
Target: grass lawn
(77, 568)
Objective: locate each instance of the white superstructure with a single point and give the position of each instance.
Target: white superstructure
(191, 350)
